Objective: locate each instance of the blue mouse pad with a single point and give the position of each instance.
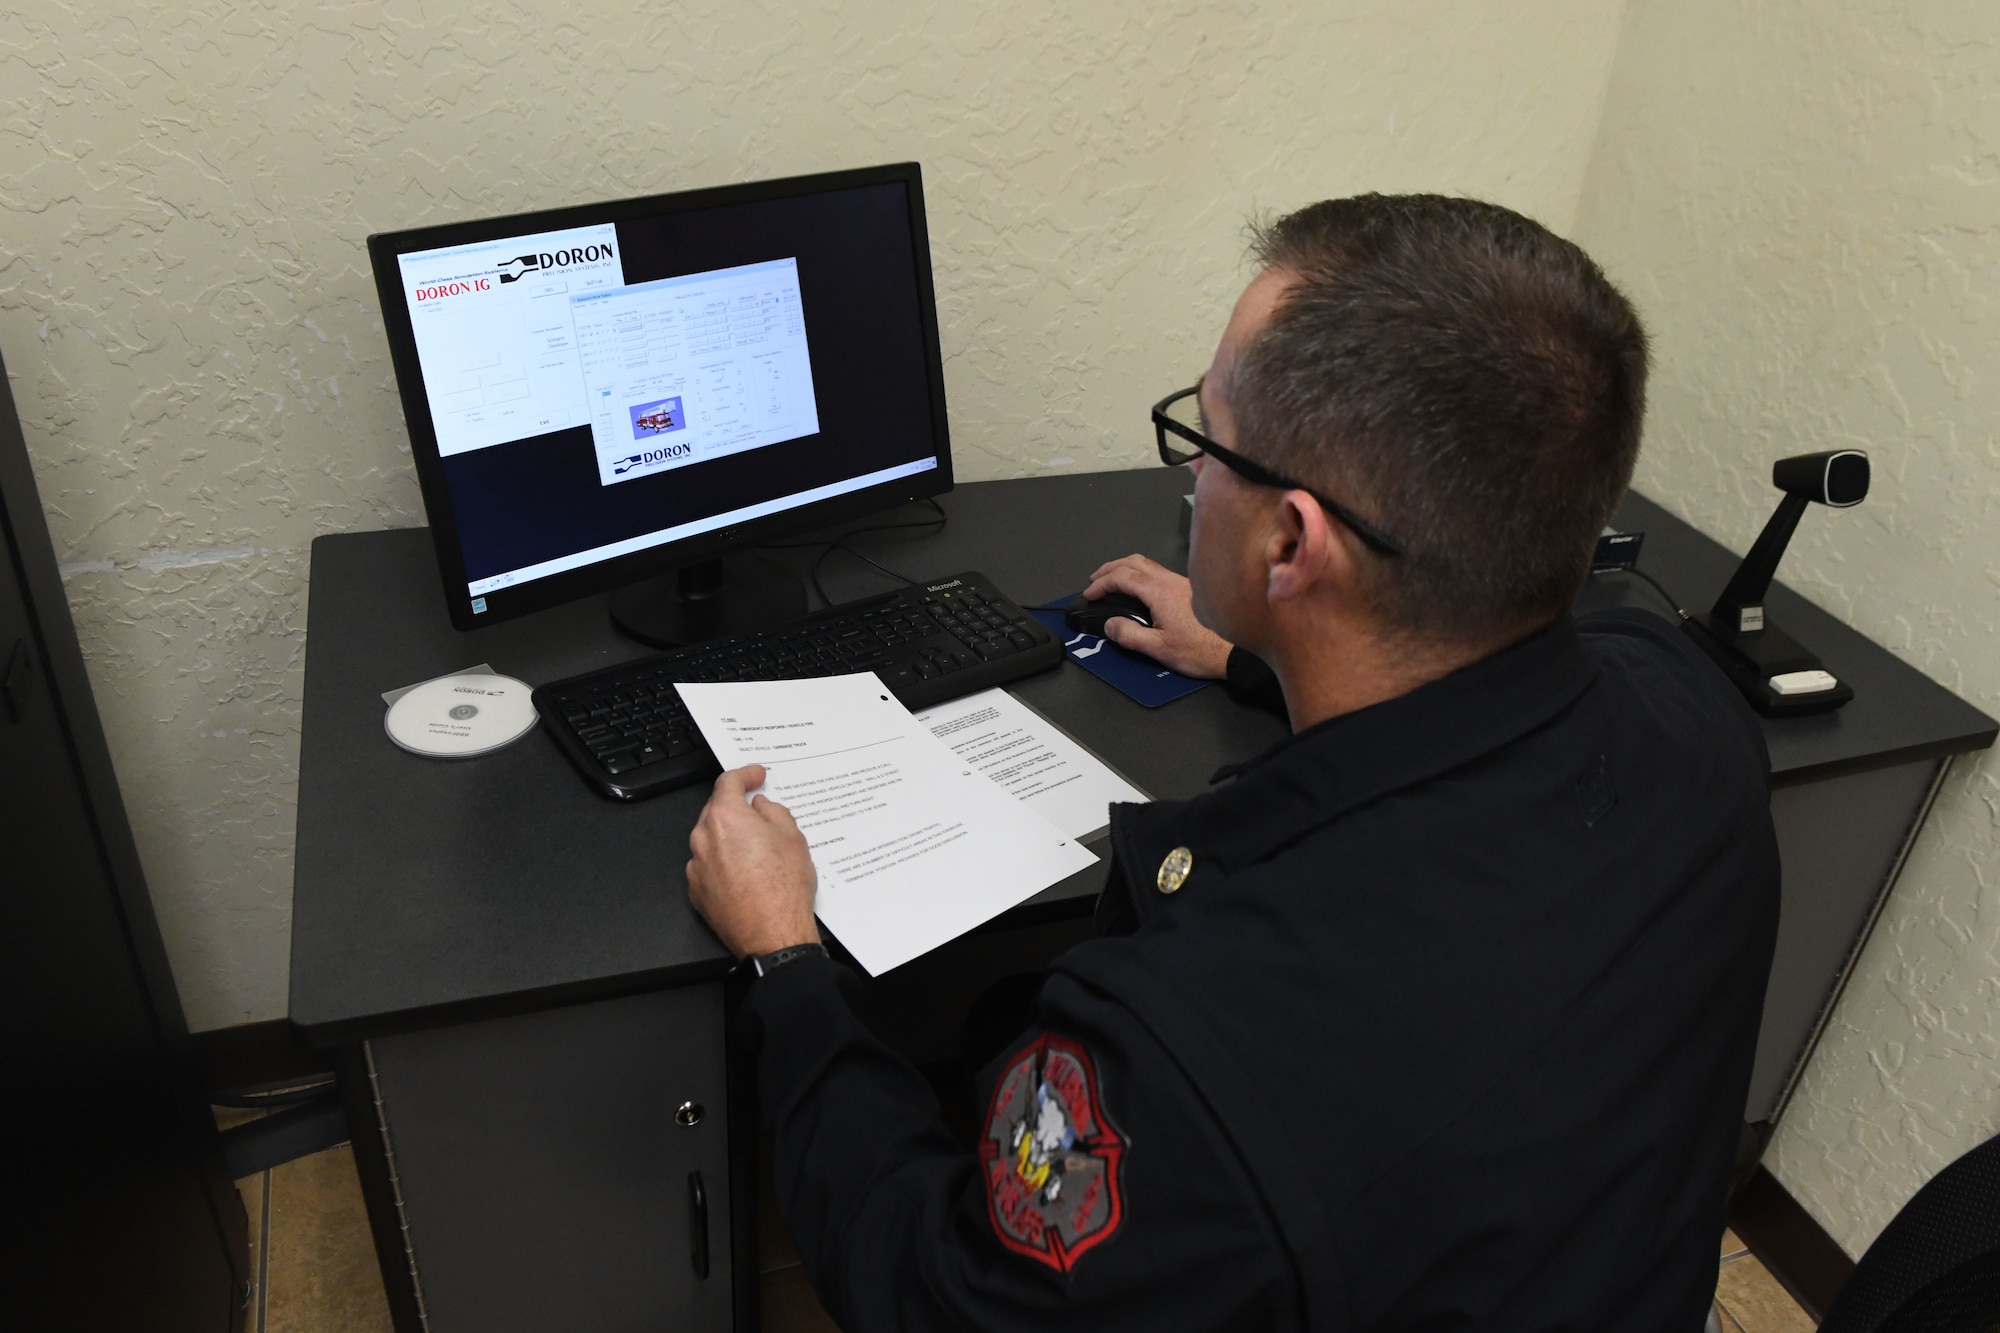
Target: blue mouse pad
(1135, 676)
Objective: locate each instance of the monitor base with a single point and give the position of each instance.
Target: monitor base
(733, 594)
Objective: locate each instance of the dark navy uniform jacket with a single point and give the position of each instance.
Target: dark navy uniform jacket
(1448, 1025)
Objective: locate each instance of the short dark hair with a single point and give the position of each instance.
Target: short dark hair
(1464, 378)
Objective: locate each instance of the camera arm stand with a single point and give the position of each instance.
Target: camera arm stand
(1775, 672)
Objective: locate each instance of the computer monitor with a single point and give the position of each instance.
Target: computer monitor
(602, 394)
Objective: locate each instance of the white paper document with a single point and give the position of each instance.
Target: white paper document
(1032, 759)
(913, 845)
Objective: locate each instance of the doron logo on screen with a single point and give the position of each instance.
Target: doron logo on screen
(459, 287)
(548, 259)
(513, 270)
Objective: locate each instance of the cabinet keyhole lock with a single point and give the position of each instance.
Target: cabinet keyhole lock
(688, 1114)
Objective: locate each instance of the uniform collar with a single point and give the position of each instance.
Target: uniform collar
(1312, 778)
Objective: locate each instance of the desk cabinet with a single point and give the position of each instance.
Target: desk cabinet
(520, 995)
(565, 1169)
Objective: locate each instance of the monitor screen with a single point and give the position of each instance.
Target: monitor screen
(605, 392)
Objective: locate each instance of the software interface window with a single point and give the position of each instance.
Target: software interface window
(690, 368)
(666, 373)
(495, 334)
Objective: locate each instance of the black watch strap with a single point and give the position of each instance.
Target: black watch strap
(763, 964)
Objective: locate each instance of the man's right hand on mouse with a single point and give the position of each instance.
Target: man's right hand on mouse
(1176, 640)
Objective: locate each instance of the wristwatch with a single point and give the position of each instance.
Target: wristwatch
(763, 964)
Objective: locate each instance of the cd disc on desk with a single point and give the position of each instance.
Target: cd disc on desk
(456, 717)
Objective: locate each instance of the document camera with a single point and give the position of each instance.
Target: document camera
(1776, 673)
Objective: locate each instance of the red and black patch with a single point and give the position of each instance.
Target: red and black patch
(1051, 1156)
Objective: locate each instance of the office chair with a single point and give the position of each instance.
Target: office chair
(1936, 1267)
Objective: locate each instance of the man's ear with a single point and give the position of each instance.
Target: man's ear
(1304, 552)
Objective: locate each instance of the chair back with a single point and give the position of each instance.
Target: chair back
(1936, 1267)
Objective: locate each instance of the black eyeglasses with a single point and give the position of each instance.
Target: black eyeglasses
(1256, 473)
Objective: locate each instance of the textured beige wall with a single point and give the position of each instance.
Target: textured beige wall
(1804, 198)
(188, 317)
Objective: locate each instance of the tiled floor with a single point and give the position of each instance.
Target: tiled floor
(1751, 1299)
(316, 1265)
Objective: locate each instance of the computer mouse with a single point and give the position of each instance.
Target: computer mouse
(1087, 616)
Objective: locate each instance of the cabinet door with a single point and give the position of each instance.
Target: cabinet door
(548, 1174)
(1841, 841)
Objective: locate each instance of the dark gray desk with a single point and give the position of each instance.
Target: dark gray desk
(522, 1000)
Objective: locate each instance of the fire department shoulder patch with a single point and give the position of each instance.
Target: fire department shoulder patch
(1051, 1156)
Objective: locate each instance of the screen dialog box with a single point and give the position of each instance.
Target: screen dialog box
(537, 333)
(691, 368)
(495, 336)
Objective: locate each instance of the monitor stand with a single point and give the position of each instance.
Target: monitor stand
(712, 599)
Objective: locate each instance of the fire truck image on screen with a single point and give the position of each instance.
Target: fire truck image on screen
(649, 422)
(657, 418)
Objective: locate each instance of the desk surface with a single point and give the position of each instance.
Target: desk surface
(428, 891)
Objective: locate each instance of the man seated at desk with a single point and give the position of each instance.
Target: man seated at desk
(1440, 1013)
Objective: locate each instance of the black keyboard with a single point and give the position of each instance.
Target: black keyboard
(628, 733)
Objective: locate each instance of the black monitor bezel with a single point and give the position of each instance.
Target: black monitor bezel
(572, 585)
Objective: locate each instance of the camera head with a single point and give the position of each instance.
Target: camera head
(1837, 477)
